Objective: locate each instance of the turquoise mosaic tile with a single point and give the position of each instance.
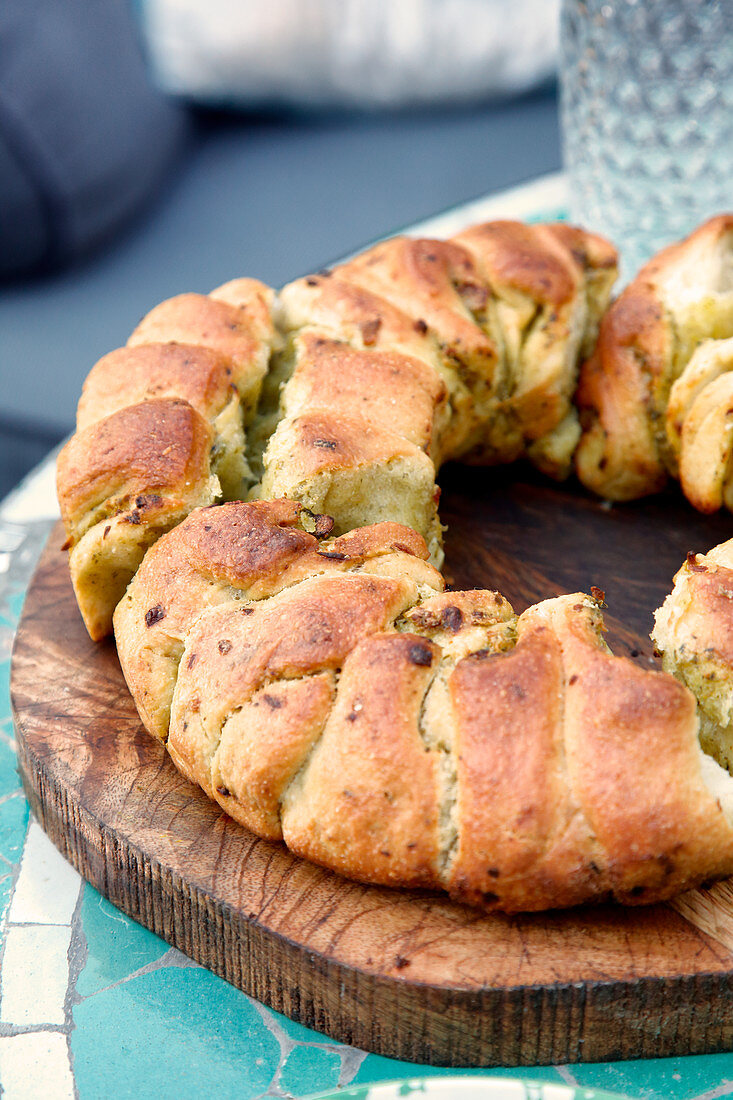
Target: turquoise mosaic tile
(9, 778)
(296, 1032)
(13, 823)
(375, 1068)
(4, 688)
(310, 1069)
(551, 214)
(663, 1078)
(116, 945)
(172, 1034)
(15, 603)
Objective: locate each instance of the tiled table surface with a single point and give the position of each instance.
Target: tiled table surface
(93, 1005)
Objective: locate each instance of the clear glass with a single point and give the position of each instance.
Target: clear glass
(647, 117)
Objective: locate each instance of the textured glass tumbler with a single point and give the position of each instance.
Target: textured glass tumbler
(647, 118)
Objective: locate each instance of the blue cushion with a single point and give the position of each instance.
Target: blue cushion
(84, 135)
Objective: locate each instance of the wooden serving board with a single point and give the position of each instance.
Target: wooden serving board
(404, 974)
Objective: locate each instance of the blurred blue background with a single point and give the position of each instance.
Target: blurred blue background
(114, 195)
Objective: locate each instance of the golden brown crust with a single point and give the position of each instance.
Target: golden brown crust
(435, 281)
(201, 320)
(321, 442)
(147, 451)
(231, 553)
(354, 314)
(550, 285)
(402, 395)
(161, 422)
(698, 422)
(122, 482)
(588, 249)
(526, 258)
(618, 455)
(703, 238)
(693, 632)
(367, 803)
(129, 376)
(566, 791)
(380, 538)
(522, 843)
(233, 651)
(264, 744)
(355, 470)
(656, 824)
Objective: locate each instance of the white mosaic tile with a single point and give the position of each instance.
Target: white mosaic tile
(35, 974)
(547, 192)
(48, 887)
(34, 1066)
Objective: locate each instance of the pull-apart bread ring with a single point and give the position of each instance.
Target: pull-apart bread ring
(652, 397)
(297, 653)
(324, 692)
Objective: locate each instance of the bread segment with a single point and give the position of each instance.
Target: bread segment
(231, 652)
(234, 320)
(367, 802)
(693, 632)
(634, 763)
(633, 418)
(122, 482)
(355, 471)
(522, 844)
(567, 791)
(263, 746)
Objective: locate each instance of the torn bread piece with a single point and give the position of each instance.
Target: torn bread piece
(631, 439)
(693, 632)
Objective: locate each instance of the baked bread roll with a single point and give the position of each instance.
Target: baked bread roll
(485, 330)
(327, 693)
(160, 431)
(693, 632)
(122, 482)
(700, 428)
(634, 434)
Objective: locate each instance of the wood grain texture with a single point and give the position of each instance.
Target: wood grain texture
(405, 974)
